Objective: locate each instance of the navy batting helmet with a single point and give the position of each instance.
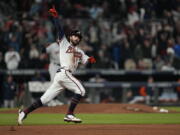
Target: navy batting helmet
(76, 33)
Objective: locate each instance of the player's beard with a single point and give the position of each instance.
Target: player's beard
(75, 42)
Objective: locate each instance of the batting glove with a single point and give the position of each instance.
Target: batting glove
(92, 59)
(53, 12)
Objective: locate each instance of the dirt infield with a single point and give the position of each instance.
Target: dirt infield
(97, 108)
(81, 129)
(92, 130)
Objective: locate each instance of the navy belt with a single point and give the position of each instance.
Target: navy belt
(56, 64)
(59, 70)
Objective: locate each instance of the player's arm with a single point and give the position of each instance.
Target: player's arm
(58, 27)
(85, 59)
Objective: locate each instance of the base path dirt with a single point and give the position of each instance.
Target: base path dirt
(97, 108)
(80, 129)
(91, 130)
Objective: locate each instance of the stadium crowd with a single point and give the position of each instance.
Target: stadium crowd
(121, 34)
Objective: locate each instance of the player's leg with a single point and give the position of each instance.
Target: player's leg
(52, 71)
(53, 68)
(12, 103)
(74, 85)
(51, 92)
(6, 103)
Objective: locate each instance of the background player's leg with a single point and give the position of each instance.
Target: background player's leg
(6, 103)
(52, 71)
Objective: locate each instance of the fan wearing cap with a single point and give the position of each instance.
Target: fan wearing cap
(69, 56)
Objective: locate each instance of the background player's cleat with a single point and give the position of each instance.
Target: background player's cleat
(21, 117)
(72, 118)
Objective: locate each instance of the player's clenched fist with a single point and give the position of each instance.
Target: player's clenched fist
(92, 59)
(53, 12)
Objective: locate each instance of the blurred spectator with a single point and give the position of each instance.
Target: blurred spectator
(127, 53)
(2, 63)
(116, 52)
(105, 36)
(35, 7)
(33, 54)
(21, 98)
(133, 16)
(14, 44)
(145, 93)
(118, 33)
(144, 64)
(175, 13)
(12, 59)
(170, 51)
(93, 34)
(34, 57)
(158, 63)
(101, 95)
(38, 77)
(129, 64)
(167, 66)
(1, 91)
(134, 29)
(15, 36)
(168, 94)
(178, 90)
(95, 11)
(138, 53)
(9, 90)
(177, 47)
(163, 36)
(147, 49)
(103, 61)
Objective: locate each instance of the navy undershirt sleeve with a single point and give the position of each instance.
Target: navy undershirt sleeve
(59, 29)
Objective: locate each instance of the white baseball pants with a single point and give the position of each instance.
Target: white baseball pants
(63, 79)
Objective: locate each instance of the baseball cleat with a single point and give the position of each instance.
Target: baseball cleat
(72, 118)
(21, 117)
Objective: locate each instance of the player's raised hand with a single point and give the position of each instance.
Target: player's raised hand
(53, 12)
(92, 60)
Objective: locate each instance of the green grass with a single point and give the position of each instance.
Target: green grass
(172, 108)
(50, 119)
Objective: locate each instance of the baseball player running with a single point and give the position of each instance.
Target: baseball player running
(70, 55)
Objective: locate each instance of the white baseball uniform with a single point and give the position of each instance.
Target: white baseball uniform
(53, 51)
(70, 56)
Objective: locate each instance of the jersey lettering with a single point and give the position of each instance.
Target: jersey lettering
(70, 49)
(77, 54)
